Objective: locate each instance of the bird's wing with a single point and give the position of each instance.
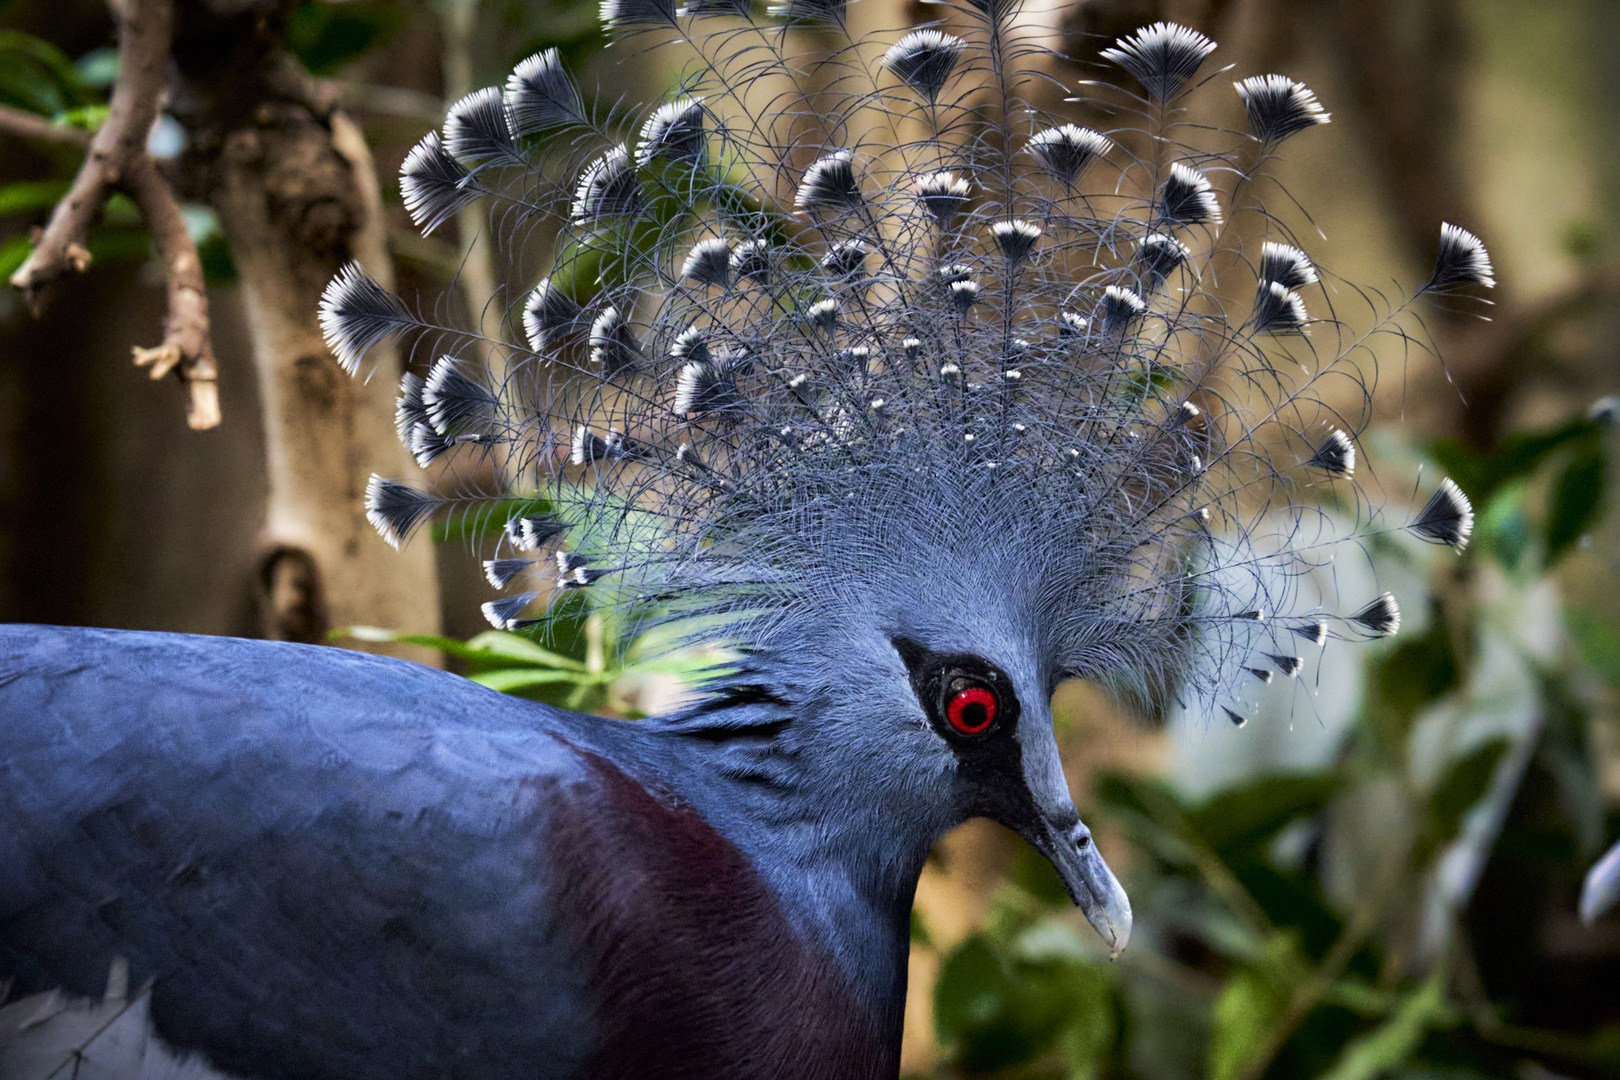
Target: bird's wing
(332, 854)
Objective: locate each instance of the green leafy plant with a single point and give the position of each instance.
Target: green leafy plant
(579, 667)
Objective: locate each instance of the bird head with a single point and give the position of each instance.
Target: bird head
(920, 636)
(931, 723)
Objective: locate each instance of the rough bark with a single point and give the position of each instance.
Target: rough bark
(478, 283)
(297, 197)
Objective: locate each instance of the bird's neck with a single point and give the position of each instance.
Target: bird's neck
(841, 857)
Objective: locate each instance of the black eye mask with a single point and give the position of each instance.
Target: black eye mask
(968, 699)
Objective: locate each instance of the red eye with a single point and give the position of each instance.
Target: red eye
(972, 711)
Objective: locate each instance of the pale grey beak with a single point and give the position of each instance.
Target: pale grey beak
(1046, 817)
(1092, 885)
(1058, 833)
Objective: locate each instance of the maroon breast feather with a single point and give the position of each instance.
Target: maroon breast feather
(699, 973)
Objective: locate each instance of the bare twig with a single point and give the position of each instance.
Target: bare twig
(117, 160)
(29, 126)
(186, 346)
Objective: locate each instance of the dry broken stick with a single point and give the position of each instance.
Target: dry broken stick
(187, 347)
(116, 159)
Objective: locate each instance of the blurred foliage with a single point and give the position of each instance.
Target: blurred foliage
(38, 77)
(578, 667)
(1320, 923)
(324, 37)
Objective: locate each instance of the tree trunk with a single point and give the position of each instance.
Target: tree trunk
(297, 197)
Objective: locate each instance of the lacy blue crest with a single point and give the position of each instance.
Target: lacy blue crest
(885, 350)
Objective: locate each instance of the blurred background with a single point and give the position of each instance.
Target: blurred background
(1377, 876)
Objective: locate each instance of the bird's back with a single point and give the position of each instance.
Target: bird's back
(340, 865)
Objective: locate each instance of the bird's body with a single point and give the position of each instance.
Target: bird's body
(337, 865)
(839, 370)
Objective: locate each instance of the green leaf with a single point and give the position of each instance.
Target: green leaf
(1033, 872)
(1464, 784)
(13, 253)
(497, 648)
(1146, 796)
(121, 210)
(1416, 672)
(564, 628)
(1516, 457)
(1249, 1006)
(687, 668)
(1389, 1045)
(1577, 503)
(600, 260)
(997, 1006)
(1088, 1037)
(1598, 640)
(324, 37)
(37, 76)
(22, 86)
(84, 117)
(919, 931)
(1245, 816)
(1357, 996)
(969, 999)
(584, 696)
(485, 519)
(1151, 813)
(108, 244)
(1293, 900)
(510, 680)
(1501, 527)
(218, 264)
(447, 645)
(1564, 756)
(516, 647)
(1576, 498)
(1151, 378)
(27, 196)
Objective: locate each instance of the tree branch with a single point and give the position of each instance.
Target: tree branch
(28, 126)
(145, 31)
(117, 160)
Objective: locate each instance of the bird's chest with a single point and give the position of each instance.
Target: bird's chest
(695, 970)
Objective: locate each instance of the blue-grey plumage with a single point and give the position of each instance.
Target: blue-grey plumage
(342, 865)
(321, 857)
